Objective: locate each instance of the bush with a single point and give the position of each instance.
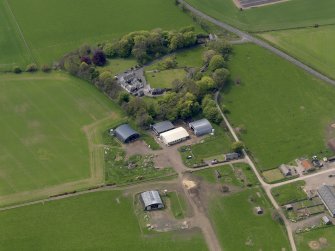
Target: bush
(46, 68)
(17, 69)
(31, 68)
(99, 58)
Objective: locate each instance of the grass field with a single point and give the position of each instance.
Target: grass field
(96, 221)
(286, 111)
(273, 175)
(50, 123)
(239, 228)
(293, 13)
(163, 79)
(313, 46)
(50, 34)
(177, 204)
(320, 239)
(289, 193)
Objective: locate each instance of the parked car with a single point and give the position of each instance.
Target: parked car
(214, 161)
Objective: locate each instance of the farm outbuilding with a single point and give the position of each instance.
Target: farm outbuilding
(285, 170)
(327, 196)
(231, 156)
(201, 127)
(161, 127)
(125, 133)
(174, 136)
(259, 210)
(151, 200)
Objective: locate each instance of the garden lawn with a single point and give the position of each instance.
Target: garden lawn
(42, 130)
(55, 27)
(163, 79)
(226, 171)
(313, 237)
(289, 193)
(239, 228)
(313, 46)
(96, 221)
(286, 112)
(293, 13)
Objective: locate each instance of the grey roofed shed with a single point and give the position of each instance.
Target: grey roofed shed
(285, 170)
(327, 195)
(152, 200)
(163, 126)
(125, 133)
(201, 127)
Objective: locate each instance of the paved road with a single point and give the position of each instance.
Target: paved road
(261, 43)
(267, 187)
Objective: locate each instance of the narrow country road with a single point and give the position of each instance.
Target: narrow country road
(266, 186)
(259, 42)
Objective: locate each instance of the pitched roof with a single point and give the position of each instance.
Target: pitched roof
(327, 194)
(306, 164)
(162, 126)
(151, 197)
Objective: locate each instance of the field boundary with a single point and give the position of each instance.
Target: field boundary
(19, 30)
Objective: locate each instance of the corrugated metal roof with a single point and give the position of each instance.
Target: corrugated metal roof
(327, 194)
(151, 198)
(201, 127)
(163, 126)
(174, 135)
(124, 132)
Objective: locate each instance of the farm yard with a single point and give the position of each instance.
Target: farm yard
(105, 219)
(314, 46)
(288, 14)
(27, 37)
(44, 121)
(285, 111)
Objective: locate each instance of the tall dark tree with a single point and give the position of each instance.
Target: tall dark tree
(99, 58)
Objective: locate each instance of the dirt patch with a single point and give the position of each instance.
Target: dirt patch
(189, 184)
(331, 144)
(318, 244)
(333, 126)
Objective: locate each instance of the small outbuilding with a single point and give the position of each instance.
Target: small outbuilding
(125, 133)
(201, 127)
(307, 165)
(285, 170)
(174, 136)
(151, 200)
(288, 207)
(326, 220)
(258, 210)
(231, 156)
(161, 127)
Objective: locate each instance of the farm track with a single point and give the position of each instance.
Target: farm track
(259, 42)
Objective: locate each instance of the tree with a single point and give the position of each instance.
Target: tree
(205, 84)
(110, 50)
(187, 106)
(237, 147)
(124, 97)
(46, 68)
(216, 62)
(84, 50)
(143, 119)
(86, 59)
(31, 67)
(220, 46)
(17, 69)
(207, 55)
(99, 58)
(220, 76)
(169, 63)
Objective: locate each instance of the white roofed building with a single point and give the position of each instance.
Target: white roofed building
(174, 136)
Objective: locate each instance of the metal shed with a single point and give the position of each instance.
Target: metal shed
(151, 200)
(125, 133)
(327, 195)
(163, 126)
(201, 127)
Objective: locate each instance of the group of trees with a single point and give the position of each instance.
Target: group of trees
(32, 68)
(148, 45)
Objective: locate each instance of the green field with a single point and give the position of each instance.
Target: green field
(289, 193)
(321, 238)
(177, 205)
(51, 34)
(293, 13)
(163, 79)
(239, 228)
(96, 221)
(50, 122)
(286, 111)
(313, 46)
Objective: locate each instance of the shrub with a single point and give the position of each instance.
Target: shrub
(99, 58)
(31, 68)
(17, 69)
(46, 68)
